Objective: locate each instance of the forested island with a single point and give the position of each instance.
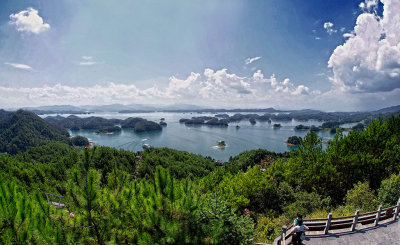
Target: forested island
(162, 195)
(331, 120)
(103, 125)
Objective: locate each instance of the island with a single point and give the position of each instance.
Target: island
(145, 126)
(211, 121)
(293, 141)
(221, 144)
(276, 125)
(108, 130)
(103, 125)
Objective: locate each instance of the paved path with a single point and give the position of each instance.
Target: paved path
(385, 233)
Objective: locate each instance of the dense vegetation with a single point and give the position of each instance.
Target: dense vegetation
(22, 129)
(102, 125)
(293, 140)
(167, 196)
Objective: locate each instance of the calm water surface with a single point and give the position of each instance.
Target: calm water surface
(200, 139)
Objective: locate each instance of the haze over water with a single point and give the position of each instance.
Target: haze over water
(201, 139)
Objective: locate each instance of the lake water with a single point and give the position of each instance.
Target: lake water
(200, 139)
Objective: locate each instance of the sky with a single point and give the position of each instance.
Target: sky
(332, 55)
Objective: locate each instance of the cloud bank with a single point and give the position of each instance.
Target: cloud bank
(210, 88)
(29, 21)
(369, 60)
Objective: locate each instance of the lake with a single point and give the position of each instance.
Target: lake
(200, 139)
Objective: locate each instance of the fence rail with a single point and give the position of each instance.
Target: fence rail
(51, 199)
(351, 221)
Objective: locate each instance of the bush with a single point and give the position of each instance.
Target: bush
(389, 193)
(361, 197)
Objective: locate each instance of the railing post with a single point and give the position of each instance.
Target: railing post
(284, 229)
(355, 220)
(396, 211)
(47, 196)
(328, 223)
(378, 215)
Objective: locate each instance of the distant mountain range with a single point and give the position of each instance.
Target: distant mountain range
(387, 110)
(69, 109)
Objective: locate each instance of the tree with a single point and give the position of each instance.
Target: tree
(389, 192)
(294, 140)
(80, 141)
(361, 197)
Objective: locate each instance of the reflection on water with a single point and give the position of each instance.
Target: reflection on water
(202, 139)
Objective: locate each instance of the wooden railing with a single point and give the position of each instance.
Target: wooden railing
(50, 199)
(334, 223)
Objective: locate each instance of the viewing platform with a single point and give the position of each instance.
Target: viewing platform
(385, 233)
(378, 227)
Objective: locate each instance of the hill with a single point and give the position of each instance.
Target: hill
(22, 129)
(4, 114)
(387, 109)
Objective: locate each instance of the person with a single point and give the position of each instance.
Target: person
(298, 230)
(299, 217)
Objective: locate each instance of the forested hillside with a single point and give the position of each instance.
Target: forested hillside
(22, 129)
(167, 196)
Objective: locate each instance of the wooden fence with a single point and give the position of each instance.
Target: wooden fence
(334, 223)
(52, 199)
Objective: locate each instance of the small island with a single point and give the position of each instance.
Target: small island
(293, 141)
(146, 126)
(276, 125)
(221, 144)
(108, 130)
(302, 127)
(210, 121)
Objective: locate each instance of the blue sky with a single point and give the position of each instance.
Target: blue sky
(195, 52)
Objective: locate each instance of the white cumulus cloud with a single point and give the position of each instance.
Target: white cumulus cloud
(369, 60)
(251, 60)
(212, 87)
(19, 66)
(29, 21)
(328, 26)
(369, 5)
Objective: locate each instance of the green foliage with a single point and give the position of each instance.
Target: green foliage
(222, 225)
(267, 229)
(24, 129)
(250, 158)
(294, 140)
(106, 159)
(180, 163)
(145, 126)
(167, 196)
(361, 197)
(305, 203)
(26, 219)
(80, 141)
(51, 152)
(389, 192)
(252, 190)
